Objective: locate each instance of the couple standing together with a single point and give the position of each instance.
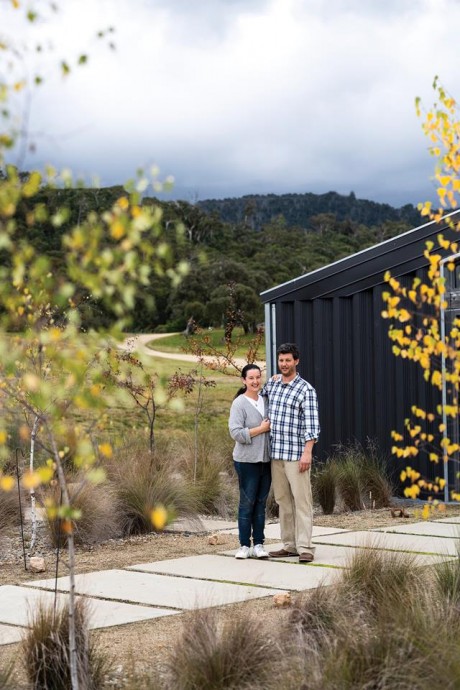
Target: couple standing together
(274, 430)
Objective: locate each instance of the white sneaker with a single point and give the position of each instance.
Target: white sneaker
(243, 552)
(259, 551)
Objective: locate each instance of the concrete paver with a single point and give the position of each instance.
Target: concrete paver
(283, 576)
(200, 525)
(10, 634)
(454, 520)
(150, 590)
(334, 556)
(157, 590)
(272, 531)
(425, 528)
(393, 541)
(17, 603)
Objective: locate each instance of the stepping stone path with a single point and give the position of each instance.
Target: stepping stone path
(165, 588)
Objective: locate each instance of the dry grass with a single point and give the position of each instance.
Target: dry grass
(45, 650)
(9, 510)
(206, 463)
(361, 477)
(144, 481)
(216, 652)
(99, 508)
(324, 485)
(382, 626)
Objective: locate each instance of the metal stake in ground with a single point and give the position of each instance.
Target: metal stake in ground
(20, 507)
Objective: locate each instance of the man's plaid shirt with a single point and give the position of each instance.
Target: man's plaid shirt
(293, 414)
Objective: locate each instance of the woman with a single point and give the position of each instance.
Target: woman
(249, 426)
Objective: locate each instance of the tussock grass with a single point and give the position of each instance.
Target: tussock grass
(324, 485)
(45, 650)
(362, 477)
(206, 463)
(99, 508)
(350, 481)
(383, 626)
(447, 581)
(380, 579)
(214, 654)
(144, 481)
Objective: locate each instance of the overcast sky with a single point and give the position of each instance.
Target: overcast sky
(235, 97)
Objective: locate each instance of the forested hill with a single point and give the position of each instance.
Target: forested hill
(229, 263)
(257, 210)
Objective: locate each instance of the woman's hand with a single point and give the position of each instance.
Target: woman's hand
(265, 426)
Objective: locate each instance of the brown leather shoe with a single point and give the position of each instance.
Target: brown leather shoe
(306, 558)
(282, 553)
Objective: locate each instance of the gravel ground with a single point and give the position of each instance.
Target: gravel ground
(146, 644)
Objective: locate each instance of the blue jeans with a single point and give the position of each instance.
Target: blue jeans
(254, 479)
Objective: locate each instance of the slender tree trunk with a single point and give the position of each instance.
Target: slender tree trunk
(33, 511)
(152, 418)
(198, 408)
(71, 553)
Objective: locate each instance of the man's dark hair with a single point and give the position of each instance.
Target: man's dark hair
(289, 349)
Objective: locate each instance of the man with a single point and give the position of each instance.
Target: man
(294, 429)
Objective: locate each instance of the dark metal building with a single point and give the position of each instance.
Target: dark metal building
(334, 315)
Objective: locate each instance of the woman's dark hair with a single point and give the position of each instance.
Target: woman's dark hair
(244, 373)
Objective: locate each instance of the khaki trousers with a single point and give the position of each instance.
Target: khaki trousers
(292, 490)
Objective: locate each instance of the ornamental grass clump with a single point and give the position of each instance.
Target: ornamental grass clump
(45, 650)
(362, 477)
(205, 463)
(98, 510)
(143, 483)
(447, 581)
(316, 613)
(385, 624)
(324, 485)
(350, 481)
(213, 654)
(380, 579)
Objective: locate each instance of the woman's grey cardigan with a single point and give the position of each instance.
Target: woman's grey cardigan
(244, 416)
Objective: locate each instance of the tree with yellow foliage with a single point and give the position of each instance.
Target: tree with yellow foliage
(421, 328)
(50, 369)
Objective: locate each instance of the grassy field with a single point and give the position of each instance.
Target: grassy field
(178, 414)
(178, 343)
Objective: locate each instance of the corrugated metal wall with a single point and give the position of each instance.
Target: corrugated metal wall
(364, 391)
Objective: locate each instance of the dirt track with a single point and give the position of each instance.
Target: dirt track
(139, 342)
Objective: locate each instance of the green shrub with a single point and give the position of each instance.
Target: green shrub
(45, 650)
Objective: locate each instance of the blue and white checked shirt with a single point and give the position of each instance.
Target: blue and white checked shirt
(293, 414)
